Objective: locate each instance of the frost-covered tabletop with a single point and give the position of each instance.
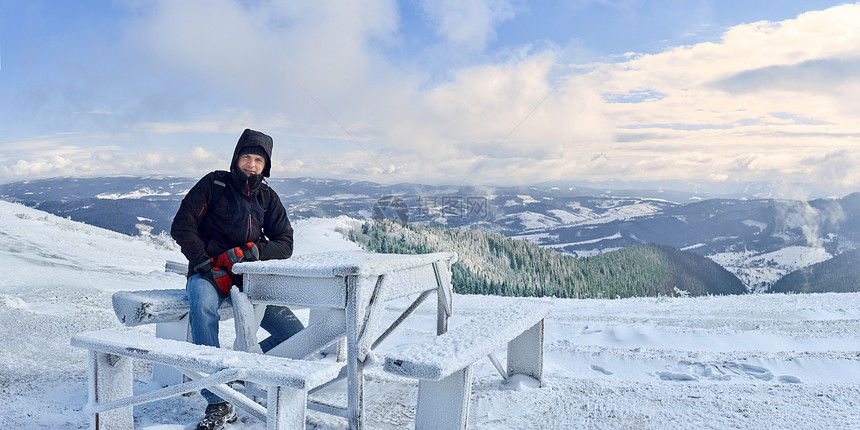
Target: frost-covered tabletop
(342, 263)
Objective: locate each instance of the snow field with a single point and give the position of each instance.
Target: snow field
(753, 361)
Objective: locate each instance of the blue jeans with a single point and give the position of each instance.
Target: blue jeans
(278, 321)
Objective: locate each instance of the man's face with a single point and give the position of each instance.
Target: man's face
(251, 164)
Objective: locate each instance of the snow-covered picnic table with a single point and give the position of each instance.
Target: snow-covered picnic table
(353, 286)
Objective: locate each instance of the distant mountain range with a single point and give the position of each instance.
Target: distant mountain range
(758, 240)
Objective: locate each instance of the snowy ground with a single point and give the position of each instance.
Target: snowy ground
(758, 361)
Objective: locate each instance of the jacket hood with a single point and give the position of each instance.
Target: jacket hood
(253, 138)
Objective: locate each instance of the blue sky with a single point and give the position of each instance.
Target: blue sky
(700, 95)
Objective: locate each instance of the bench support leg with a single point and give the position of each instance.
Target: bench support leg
(525, 353)
(286, 408)
(337, 349)
(163, 375)
(327, 328)
(110, 378)
(444, 404)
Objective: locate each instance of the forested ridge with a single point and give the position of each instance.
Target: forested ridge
(840, 274)
(493, 264)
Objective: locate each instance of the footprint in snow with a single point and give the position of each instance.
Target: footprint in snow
(589, 330)
(757, 372)
(599, 369)
(788, 379)
(675, 376)
(731, 369)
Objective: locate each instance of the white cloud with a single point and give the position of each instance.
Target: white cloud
(64, 154)
(265, 53)
(200, 154)
(469, 23)
(318, 65)
(103, 156)
(74, 154)
(154, 159)
(26, 169)
(752, 106)
(511, 113)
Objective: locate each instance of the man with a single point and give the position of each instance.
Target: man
(226, 218)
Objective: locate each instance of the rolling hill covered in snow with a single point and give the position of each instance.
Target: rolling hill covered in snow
(771, 361)
(838, 274)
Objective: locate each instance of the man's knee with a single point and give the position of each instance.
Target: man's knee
(202, 296)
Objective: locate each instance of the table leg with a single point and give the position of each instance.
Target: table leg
(441, 319)
(444, 295)
(355, 368)
(355, 389)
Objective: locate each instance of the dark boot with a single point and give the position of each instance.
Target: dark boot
(217, 416)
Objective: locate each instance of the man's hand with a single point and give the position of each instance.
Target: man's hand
(220, 279)
(252, 253)
(227, 259)
(247, 252)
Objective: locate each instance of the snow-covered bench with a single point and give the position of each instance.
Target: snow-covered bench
(168, 310)
(111, 397)
(443, 365)
(159, 307)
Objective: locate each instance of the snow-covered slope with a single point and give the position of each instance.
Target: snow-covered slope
(755, 361)
(760, 270)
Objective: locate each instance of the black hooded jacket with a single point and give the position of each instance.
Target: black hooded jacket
(246, 211)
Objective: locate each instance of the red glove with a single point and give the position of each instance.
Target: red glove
(248, 252)
(227, 259)
(220, 279)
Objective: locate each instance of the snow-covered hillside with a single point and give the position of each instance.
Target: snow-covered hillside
(760, 270)
(755, 361)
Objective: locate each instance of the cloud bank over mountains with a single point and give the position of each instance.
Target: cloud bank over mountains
(353, 90)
